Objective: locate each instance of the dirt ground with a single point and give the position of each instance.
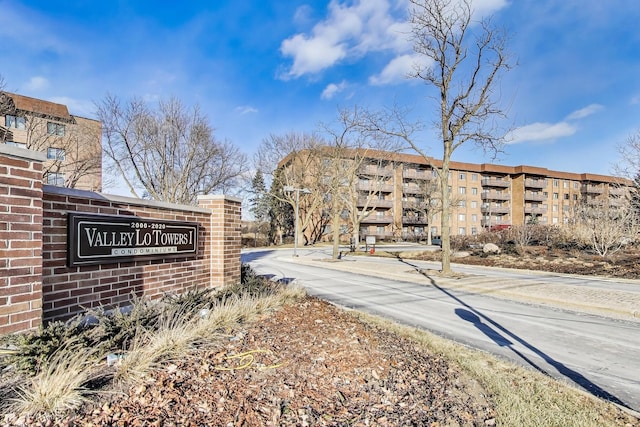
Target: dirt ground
(308, 364)
(621, 265)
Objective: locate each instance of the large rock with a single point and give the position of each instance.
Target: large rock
(460, 254)
(490, 248)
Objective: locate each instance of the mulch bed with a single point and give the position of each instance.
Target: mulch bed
(308, 364)
(623, 265)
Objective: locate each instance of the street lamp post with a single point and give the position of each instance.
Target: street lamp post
(291, 189)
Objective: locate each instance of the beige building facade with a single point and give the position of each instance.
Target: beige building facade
(485, 196)
(71, 143)
(398, 195)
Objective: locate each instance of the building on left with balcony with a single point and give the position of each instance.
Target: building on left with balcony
(72, 143)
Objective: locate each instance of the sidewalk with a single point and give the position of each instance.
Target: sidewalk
(620, 301)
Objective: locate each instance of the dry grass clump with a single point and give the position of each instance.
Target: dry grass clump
(61, 383)
(59, 367)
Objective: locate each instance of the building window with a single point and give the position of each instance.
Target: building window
(554, 220)
(474, 218)
(474, 177)
(474, 204)
(55, 153)
(555, 196)
(14, 122)
(474, 190)
(565, 184)
(462, 231)
(555, 208)
(556, 183)
(474, 231)
(462, 217)
(462, 190)
(461, 176)
(380, 229)
(434, 230)
(575, 197)
(462, 204)
(566, 197)
(575, 185)
(55, 128)
(55, 179)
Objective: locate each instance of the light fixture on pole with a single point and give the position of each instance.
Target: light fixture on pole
(291, 189)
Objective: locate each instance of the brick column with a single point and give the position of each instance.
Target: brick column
(20, 239)
(224, 238)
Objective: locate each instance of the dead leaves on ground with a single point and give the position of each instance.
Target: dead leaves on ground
(309, 364)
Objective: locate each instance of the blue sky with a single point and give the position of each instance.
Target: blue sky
(258, 68)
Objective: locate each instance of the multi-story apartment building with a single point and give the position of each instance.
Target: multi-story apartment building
(400, 194)
(72, 143)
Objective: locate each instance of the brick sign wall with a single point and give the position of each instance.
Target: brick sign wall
(40, 285)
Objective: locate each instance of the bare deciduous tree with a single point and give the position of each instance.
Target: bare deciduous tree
(606, 228)
(355, 179)
(462, 61)
(295, 160)
(629, 164)
(73, 146)
(167, 152)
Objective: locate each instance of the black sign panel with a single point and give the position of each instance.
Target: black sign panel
(102, 239)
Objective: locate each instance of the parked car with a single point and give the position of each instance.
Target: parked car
(436, 240)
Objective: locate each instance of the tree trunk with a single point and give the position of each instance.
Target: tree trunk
(356, 236)
(336, 230)
(446, 212)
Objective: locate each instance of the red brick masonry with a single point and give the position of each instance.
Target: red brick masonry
(36, 284)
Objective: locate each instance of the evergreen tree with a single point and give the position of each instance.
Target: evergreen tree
(260, 200)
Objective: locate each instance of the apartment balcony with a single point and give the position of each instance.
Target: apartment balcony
(377, 219)
(592, 189)
(495, 210)
(413, 205)
(535, 211)
(528, 195)
(375, 170)
(412, 220)
(535, 183)
(415, 174)
(412, 189)
(618, 191)
(493, 182)
(494, 223)
(618, 202)
(495, 195)
(372, 203)
(375, 187)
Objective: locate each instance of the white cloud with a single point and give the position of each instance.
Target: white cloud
(311, 55)
(540, 132)
(246, 109)
(332, 89)
(348, 31)
(398, 68)
(36, 83)
(585, 112)
(77, 107)
(487, 7)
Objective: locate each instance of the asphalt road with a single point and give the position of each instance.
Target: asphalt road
(599, 354)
